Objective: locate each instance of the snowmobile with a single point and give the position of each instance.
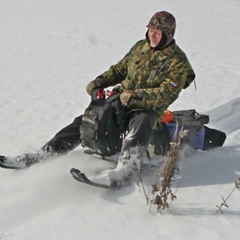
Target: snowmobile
(103, 129)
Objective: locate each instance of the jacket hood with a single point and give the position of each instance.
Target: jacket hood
(165, 22)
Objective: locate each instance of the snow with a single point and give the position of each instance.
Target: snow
(49, 51)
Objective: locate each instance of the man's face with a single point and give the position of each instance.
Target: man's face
(154, 36)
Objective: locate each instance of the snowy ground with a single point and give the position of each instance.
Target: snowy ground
(49, 51)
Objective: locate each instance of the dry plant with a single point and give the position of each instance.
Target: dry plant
(163, 194)
(224, 203)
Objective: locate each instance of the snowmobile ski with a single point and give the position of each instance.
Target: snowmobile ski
(81, 177)
(9, 163)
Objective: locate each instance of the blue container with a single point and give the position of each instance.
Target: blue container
(196, 142)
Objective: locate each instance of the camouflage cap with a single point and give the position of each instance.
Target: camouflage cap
(165, 22)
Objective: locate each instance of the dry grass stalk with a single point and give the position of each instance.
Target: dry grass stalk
(162, 195)
(224, 203)
(140, 182)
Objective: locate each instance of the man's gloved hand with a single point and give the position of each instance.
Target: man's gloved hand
(90, 87)
(129, 97)
(97, 83)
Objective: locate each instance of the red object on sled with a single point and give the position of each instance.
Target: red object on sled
(167, 117)
(110, 93)
(101, 94)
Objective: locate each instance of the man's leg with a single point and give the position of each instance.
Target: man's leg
(66, 139)
(140, 128)
(136, 142)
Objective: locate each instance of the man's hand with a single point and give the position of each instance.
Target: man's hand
(129, 97)
(90, 87)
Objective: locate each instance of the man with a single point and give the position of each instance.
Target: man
(152, 74)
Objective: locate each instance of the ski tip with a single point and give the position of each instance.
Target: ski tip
(76, 173)
(75, 170)
(81, 177)
(6, 165)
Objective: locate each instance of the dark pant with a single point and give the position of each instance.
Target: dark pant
(139, 125)
(66, 139)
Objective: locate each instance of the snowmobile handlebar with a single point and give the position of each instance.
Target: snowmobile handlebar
(100, 94)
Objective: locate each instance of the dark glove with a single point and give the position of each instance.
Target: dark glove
(97, 83)
(129, 97)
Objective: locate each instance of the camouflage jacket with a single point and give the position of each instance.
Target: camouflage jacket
(160, 74)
